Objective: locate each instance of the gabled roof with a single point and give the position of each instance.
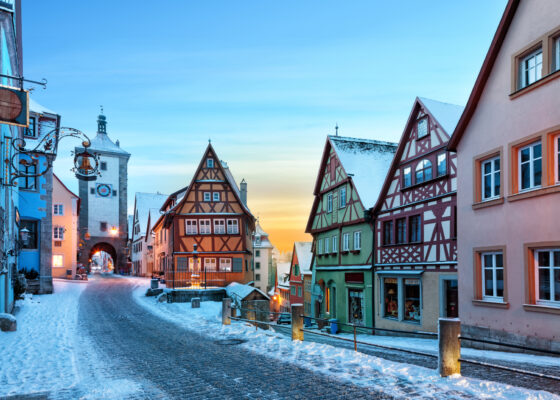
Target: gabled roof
(175, 196)
(265, 241)
(38, 108)
(484, 73)
(69, 191)
(102, 142)
(283, 274)
(238, 291)
(143, 202)
(439, 111)
(153, 217)
(304, 256)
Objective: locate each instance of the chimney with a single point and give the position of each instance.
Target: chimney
(118, 143)
(243, 191)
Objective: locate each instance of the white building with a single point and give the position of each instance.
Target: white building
(264, 269)
(144, 205)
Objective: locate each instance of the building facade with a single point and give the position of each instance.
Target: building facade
(212, 230)
(103, 206)
(508, 142)
(415, 224)
(300, 266)
(65, 206)
(36, 200)
(262, 259)
(350, 177)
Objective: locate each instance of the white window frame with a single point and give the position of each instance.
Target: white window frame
(209, 163)
(557, 154)
(207, 196)
(421, 120)
(358, 240)
(492, 175)
(335, 244)
(319, 246)
(58, 232)
(231, 224)
(342, 194)
(220, 226)
(225, 264)
(62, 260)
(494, 297)
(346, 242)
(210, 264)
(329, 202)
(531, 161)
(191, 227)
(58, 209)
(552, 268)
(204, 227)
(524, 70)
(327, 242)
(216, 196)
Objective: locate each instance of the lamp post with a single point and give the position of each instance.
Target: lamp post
(195, 257)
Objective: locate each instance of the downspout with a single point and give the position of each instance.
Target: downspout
(371, 219)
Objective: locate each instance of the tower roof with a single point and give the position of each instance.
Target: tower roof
(102, 142)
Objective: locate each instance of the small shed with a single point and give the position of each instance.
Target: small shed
(239, 292)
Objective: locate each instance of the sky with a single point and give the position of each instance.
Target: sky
(265, 81)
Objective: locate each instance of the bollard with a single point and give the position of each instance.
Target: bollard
(226, 311)
(195, 302)
(297, 322)
(449, 330)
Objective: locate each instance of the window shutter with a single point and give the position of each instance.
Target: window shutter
(237, 265)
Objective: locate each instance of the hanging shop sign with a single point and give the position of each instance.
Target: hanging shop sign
(14, 106)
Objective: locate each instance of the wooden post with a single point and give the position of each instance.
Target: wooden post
(297, 322)
(355, 344)
(449, 346)
(226, 311)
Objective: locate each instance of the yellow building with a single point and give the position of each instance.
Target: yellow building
(66, 207)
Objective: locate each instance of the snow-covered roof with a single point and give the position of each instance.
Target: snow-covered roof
(446, 114)
(233, 184)
(283, 274)
(304, 256)
(38, 108)
(102, 142)
(264, 242)
(367, 162)
(143, 203)
(240, 291)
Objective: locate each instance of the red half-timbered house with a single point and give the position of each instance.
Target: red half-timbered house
(211, 228)
(415, 227)
(299, 269)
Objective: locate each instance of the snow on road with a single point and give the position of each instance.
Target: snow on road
(397, 379)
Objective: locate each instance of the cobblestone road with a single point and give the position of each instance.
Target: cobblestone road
(165, 361)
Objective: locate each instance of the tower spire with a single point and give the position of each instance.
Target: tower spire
(101, 122)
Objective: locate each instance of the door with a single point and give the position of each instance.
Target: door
(356, 305)
(451, 298)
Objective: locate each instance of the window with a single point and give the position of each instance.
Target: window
(346, 242)
(422, 126)
(334, 244)
(207, 196)
(342, 197)
(401, 230)
(58, 209)
(32, 227)
(293, 290)
(28, 182)
(216, 196)
(204, 227)
(492, 276)
(490, 170)
(391, 298)
(357, 240)
(411, 300)
(356, 307)
(423, 171)
(530, 68)
(225, 264)
(103, 226)
(219, 226)
(257, 277)
(556, 54)
(58, 232)
(415, 229)
(257, 253)
(31, 131)
(329, 202)
(103, 166)
(557, 156)
(299, 291)
(190, 227)
(407, 177)
(210, 163)
(92, 191)
(388, 232)
(441, 164)
(210, 264)
(530, 166)
(232, 227)
(57, 261)
(257, 265)
(182, 264)
(319, 246)
(547, 264)
(327, 245)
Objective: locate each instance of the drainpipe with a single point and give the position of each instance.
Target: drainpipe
(371, 219)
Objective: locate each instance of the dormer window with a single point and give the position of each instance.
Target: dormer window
(531, 68)
(210, 163)
(422, 128)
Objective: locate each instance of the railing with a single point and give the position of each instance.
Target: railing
(199, 279)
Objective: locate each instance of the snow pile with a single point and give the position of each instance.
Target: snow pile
(396, 379)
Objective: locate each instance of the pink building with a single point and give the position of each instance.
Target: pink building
(508, 146)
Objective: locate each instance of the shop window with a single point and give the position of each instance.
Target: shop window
(391, 300)
(412, 300)
(402, 299)
(32, 237)
(356, 307)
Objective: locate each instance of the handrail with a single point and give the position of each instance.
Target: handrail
(516, 346)
(502, 367)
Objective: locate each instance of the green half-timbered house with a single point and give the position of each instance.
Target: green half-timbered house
(351, 175)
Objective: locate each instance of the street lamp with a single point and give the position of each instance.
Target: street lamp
(24, 234)
(195, 257)
(114, 231)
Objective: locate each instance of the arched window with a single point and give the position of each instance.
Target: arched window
(423, 171)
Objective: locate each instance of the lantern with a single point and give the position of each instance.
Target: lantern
(86, 164)
(24, 233)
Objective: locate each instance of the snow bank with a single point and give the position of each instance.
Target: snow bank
(396, 379)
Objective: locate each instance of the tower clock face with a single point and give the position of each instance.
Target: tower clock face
(103, 190)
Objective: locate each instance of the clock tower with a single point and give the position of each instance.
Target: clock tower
(103, 202)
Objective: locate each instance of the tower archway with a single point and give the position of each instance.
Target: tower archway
(104, 256)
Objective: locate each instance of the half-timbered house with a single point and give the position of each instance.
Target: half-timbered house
(415, 229)
(350, 177)
(212, 230)
(299, 268)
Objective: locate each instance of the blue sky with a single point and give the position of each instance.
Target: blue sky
(266, 81)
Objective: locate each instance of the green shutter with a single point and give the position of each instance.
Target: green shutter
(237, 265)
